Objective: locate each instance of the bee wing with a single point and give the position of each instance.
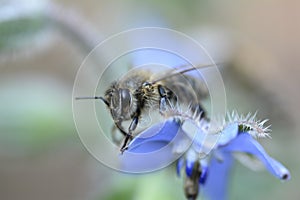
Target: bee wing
(181, 70)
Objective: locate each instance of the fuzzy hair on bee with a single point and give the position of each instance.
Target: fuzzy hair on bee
(142, 90)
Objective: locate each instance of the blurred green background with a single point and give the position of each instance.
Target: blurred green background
(42, 45)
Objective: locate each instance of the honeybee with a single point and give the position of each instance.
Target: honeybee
(143, 90)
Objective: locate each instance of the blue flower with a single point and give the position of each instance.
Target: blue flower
(221, 162)
(217, 171)
(213, 172)
(153, 148)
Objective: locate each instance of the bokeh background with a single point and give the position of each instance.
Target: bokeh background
(43, 43)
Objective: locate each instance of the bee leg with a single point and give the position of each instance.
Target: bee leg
(166, 96)
(162, 105)
(128, 136)
(119, 126)
(163, 99)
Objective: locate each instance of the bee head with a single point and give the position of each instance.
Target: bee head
(120, 101)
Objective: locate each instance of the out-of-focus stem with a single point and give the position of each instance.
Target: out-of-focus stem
(73, 26)
(21, 24)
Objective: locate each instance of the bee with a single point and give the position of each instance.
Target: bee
(143, 90)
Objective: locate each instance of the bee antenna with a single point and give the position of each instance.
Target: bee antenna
(101, 98)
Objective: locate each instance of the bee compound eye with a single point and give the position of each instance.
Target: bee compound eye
(125, 98)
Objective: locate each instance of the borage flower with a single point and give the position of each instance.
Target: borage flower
(233, 139)
(212, 172)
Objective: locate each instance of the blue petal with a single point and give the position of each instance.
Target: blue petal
(179, 165)
(202, 142)
(150, 150)
(204, 175)
(189, 168)
(228, 134)
(191, 158)
(245, 143)
(154, 138)
(216, 185)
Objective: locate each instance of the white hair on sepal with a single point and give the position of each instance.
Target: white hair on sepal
(217, 124)
(187, 116)
(249, 123)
